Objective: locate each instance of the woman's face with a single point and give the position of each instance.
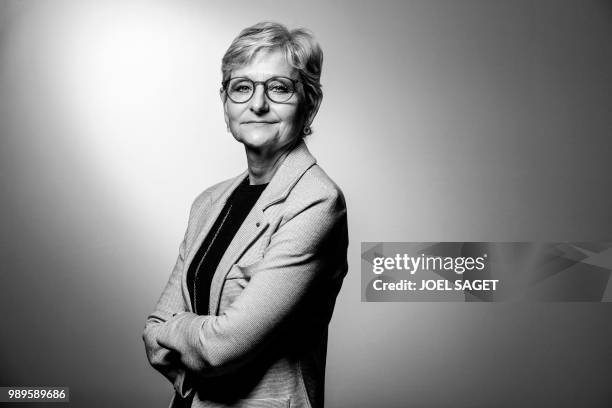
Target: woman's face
(260, 124)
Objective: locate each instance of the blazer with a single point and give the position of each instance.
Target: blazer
(264, 340)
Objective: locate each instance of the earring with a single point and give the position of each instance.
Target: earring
(307, 130)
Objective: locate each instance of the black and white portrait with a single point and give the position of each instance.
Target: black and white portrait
(185, 187)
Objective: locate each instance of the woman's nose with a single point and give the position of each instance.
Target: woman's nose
(259, 103)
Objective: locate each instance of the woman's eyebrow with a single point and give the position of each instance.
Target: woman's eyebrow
(265, 78)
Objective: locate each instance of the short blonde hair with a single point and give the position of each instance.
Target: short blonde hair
(299, 46)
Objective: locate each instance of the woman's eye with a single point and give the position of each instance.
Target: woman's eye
(242, 88)
(278, 88)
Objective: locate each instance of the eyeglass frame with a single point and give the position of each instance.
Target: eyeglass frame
(255, 83)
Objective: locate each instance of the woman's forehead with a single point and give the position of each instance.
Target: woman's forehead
(265, 64)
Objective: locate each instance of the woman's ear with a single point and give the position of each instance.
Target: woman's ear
(223, 100)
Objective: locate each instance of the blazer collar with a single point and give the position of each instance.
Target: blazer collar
(295, 164)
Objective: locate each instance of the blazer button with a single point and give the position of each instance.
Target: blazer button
(257, 224)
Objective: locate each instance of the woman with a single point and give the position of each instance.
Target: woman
(242, 322)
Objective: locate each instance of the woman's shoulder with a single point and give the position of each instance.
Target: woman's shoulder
(316, 185)
(317, 178)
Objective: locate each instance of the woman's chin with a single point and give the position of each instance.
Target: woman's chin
(258, 140)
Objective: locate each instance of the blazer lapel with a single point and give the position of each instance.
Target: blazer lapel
(218, 199)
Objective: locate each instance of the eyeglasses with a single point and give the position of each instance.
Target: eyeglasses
(278, 89)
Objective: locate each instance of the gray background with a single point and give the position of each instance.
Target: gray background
(442, 121)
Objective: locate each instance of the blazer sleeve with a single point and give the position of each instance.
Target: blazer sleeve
(293, 261)
(170, 303)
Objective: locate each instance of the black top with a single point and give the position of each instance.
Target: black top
(206, 260)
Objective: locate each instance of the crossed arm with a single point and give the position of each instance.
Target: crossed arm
(171, 302)
(179, 342)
